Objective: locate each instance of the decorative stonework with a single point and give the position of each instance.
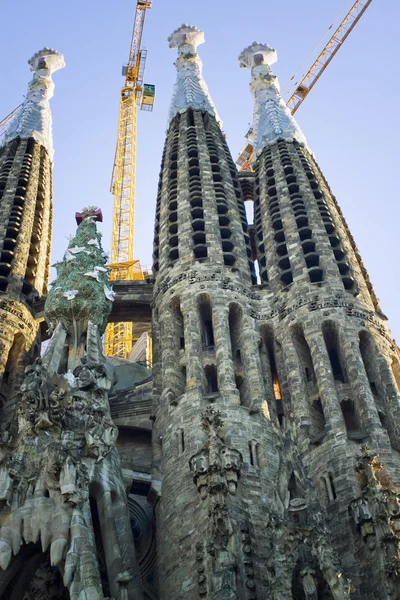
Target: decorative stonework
(272, 118)
(81, 291)
(190, 90)
(60, 444)
(216, 468)
(216, 471)
(33, 119)
(376, 515)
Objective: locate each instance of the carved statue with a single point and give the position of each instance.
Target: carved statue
(224, 577)
(216, 467)
(309, 585)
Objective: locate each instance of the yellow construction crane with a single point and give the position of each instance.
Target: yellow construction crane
(120, 336)
(313, 74)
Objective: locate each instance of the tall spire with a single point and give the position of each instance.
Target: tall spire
(272, 118)
(190, 89)
(33, 119)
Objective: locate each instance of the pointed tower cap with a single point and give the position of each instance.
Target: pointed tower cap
(33, 118)
(186, 38)
(257, 54)
(48, 59)
(272, 117)
(190, 90)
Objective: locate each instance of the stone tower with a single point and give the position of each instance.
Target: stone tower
(272, 397)
(260, 459)
(26, 156)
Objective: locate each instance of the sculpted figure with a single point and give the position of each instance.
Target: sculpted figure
(362, 516)
(84, 375)
(224, 578)
(34, 388)
(199, 464)
(309, 585)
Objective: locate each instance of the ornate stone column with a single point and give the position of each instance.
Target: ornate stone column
(329, 399)
(223, 351)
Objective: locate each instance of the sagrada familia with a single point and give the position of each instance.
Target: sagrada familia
(259, 458)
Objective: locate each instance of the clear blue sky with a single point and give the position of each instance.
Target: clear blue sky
(351, 118)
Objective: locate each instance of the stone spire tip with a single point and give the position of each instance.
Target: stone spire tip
(190, 89)
(257, 54)
(273, 119)
(186, 37)
(47, 58)
(33, 118)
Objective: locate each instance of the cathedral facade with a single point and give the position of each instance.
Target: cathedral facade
(259, 458)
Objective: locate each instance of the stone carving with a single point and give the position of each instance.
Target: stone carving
(33, 118)
(248, 564)
(216, 470)
(44, 399)
(190, 90)
(329, 564)
(309, 584)
(216, 467)
(272, 118)
(362, 517)
(376, 513)
(224, 575)
(201, 577)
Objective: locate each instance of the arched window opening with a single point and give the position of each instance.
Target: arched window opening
(180, 441)
(331, 338)
(178, 325)
(316, 412)
(242, 387)
(207, 330)
(211, 379)
(293, 488)
(350, 415)
(254, 453)
(251, 454)
(235, 329)
(328, 488)
(268, 339)
(370, 356)
(236, 336)
(181, 381)
(336, 366)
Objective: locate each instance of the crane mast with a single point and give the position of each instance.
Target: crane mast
(314, 72)
(119, 336)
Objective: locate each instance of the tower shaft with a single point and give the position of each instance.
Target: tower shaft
(26, 217)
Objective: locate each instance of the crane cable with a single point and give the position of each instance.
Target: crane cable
(287, 86)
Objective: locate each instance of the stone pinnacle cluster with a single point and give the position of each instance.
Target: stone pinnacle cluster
(259, 458)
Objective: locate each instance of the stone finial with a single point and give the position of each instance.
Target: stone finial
(33, 118)
(186, 38)
(190, 90)
(47, 59)
(272, 118)
(256, 55)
